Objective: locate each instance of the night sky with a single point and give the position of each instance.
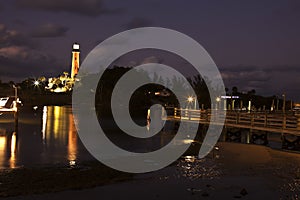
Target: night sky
(255, 43)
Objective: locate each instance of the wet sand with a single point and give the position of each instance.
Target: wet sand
(235, 171)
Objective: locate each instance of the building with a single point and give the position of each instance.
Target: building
(75, 60)
(65, 82)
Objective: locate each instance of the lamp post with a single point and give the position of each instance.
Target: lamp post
(283, 106)
(273, 105)
(16, 92)
(16, 115)
(277, 103)
(218, 99)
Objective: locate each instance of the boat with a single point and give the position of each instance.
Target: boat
(3, 101)
(9, 104)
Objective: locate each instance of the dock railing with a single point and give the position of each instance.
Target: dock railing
(288, 122)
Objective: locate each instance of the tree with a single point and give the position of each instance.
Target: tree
(252, 92)
(226, 90)
(234, 90)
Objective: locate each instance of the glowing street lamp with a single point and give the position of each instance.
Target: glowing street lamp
(191, 99)
(283, 106)
(36, 83)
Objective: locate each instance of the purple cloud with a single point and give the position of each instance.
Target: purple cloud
(49, 30)
(86, 7)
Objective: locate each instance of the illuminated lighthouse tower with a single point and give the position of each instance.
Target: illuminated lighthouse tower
(75, 60)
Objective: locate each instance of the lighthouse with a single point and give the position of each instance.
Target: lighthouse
(75, 60)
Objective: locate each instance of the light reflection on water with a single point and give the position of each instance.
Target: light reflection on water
(8, 149)
(194, 168)
(13, 150)
(46, 136)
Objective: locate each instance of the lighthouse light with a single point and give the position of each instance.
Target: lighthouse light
(76, 46)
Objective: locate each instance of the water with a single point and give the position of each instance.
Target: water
(46, 136)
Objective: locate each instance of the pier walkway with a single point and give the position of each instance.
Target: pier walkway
(279, 122)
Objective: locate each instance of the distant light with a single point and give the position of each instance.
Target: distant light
(187, 141)
(190, 99)
(190, 158)
(218, 99)
(72, 163)
(36, 83)
(230, 97)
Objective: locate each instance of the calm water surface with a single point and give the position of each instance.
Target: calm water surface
(46, 136)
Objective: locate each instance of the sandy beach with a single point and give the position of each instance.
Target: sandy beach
(235, 171)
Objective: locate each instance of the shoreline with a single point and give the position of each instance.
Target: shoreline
(24, 181)
(264, 173)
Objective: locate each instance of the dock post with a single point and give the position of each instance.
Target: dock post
(298, 121)
(16, 114)
(249, 136)
(284, 121)
(266, 119)
(16, 117)
(224, 132)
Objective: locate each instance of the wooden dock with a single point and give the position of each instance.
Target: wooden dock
(7, 110)
(9, 104)
(278, 122)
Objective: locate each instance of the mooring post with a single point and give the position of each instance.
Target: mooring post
(284, 121)
(237, 117)
(248, 137)
(266, 119)
(298, 121)
(16, 117)
(224, 131)
(252, 119)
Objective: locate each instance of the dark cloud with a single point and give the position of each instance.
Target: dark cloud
(138, 22)
(282, 68)
(266, 80)
(20, 61)
(83, 7)
(14, 38)
(49, 30)
(19, 58)
(236, 68)
(245, 80)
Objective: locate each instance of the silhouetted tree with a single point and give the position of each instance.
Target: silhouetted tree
(226, 90)
(235, 90)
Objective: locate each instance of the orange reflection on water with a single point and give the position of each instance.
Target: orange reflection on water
(13, 150)
(72, 142)
(58, 128)
(2, 149)
(8, 150)
(44, 122)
